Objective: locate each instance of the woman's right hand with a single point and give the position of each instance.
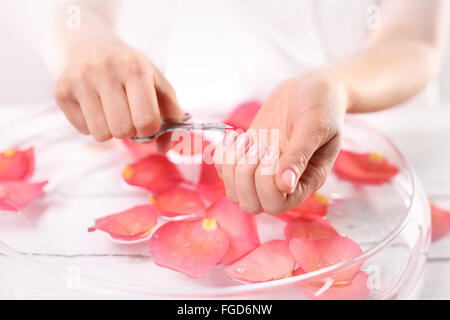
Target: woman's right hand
(107, 89)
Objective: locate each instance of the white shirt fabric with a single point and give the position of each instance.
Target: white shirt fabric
(220, 53)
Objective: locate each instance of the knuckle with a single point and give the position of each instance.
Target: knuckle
(249, 208)
(300, 161)
(146, 122)
(273, 209)
(102, 136)
(121, 130)
(62, 90)
(81, 74)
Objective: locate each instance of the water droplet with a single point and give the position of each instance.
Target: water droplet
(240, 270)
(156, 236)
(187, 245)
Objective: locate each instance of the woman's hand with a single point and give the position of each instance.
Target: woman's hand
(108, 89)
(305, 115)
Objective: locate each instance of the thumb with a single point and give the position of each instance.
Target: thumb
(295, 157)
(169, 108)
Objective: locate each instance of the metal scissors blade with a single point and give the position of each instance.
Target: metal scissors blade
(184, 125)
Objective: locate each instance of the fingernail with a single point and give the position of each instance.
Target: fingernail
(289, 178)
(252, 152)
(229, 138)
(242, 141)
(268, 156)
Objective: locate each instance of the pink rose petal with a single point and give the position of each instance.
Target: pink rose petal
(364, 168)
(440, 222)
(131, 224)
(356, 289)
(16, 195)
(190, 143)
(210, 186)
(180, 200)
(240, 228)
(315, 204)
(243, 115)
(140, 150)
(156, 173)
(315, 254)
(16, 164)
(309, 226)
(270, 261)
(190, 247)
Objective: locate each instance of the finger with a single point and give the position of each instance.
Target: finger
(93, 114)
(73, 113)
(219, 151)
(271, 198)
(143, 104)
(245, 179)
(167, 99)
(232, 155)
(316, 172)
(294, 159)
(115, 106)
(66, 101)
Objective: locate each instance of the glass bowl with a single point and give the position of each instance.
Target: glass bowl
(46, 251)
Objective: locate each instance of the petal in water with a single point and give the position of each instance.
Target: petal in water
(315, 204)
(132, 224)
(191, 247)
(240, 228)
(356, 289)
(318, 253)
(243, 115)
(156, 173)
(309, 226)
(190, 143)
(364, 168)
(440, 222)
(16, 164)
(270, 261)
(16, 195)
(182, 199)
(140, 150)
(210, 186)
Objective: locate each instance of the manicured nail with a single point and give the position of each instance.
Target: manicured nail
(289, 178)
(242, 141)
(253, 151)
(268, 155)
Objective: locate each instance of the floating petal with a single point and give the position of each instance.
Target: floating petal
(132, 224)
(180, 200)
(270, 261)
(315, 254)
(16, 164)
(309, 226)
(440, 222)
(191, 247)
(243, 115)
(364, 168)
(156, 173)
(240, 228)
(16, 195)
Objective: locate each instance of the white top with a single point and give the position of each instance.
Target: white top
(220, 53)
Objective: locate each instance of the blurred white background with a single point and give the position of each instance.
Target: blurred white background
(24, 77)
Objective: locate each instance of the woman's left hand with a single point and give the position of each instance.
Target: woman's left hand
(304, 118)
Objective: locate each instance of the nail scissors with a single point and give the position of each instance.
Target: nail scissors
(184, 124)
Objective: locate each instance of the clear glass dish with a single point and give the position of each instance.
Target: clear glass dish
(46, 251)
